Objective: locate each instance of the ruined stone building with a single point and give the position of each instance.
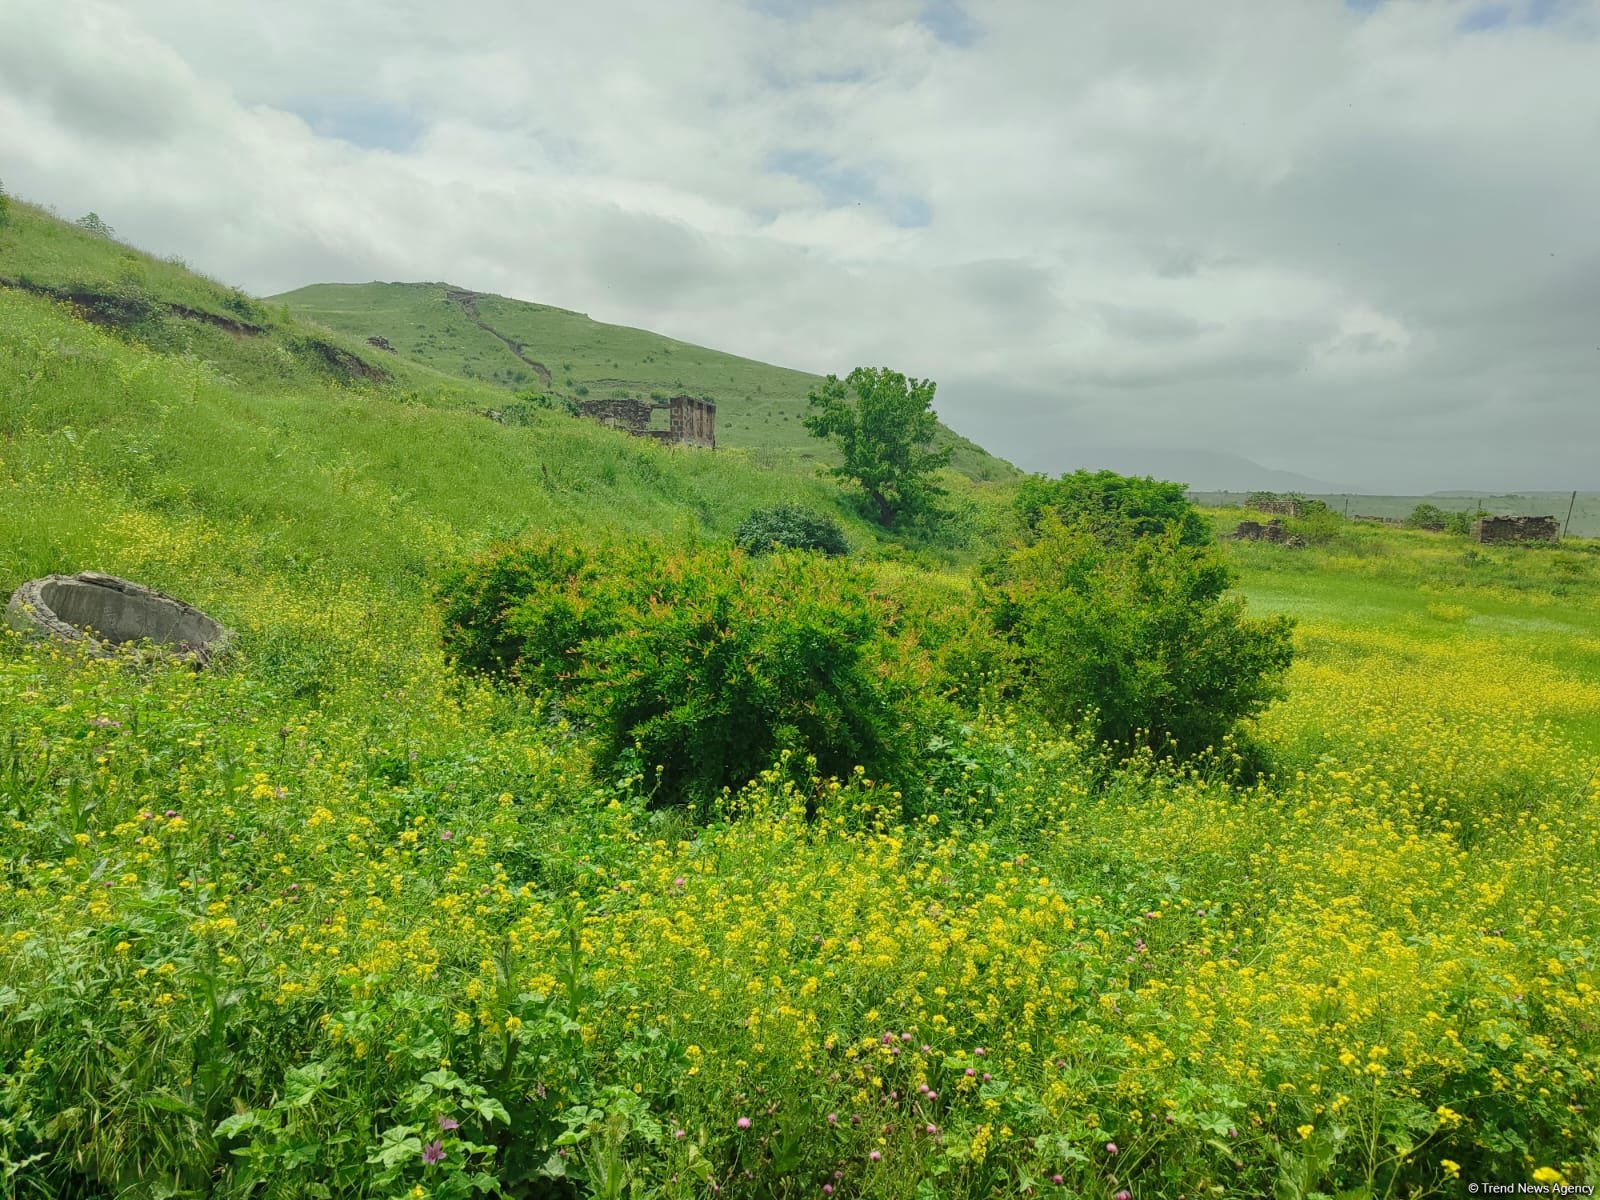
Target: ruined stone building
(1516, 529)
(689, 421)
(1274, 531)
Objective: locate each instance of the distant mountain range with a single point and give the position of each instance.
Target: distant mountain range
(1201, 470)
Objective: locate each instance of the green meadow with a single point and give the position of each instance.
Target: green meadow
(338, 918)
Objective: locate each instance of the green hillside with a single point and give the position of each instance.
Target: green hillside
(517, 345)
(140, 396)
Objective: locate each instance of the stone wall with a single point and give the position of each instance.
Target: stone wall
(1516, 529)
(690, 421)
(1273, 531)
(693, 422)
(619, 411)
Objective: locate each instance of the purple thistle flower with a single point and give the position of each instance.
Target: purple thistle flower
(433, 1152)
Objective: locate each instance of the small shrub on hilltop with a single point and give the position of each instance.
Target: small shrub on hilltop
(790, 527)
(1138, 639)
(1114, 506)
(95, 224)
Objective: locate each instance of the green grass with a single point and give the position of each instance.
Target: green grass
(1509, 604)
(338, 921)
(759, 407)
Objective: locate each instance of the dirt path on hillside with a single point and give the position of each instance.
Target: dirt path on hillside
(467, 302)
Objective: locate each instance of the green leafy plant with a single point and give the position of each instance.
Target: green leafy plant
(92, 223)
(701, 668)
(1139, 639)
(730, 660)
(1115, 506)
(884, 424)
(790, 527)
(523, 610)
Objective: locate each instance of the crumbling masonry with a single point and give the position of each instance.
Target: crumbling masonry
(690, 421)
(1516, 529)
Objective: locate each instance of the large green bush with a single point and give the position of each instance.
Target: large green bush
(733, 660)
(1139, 639)
(1439, 520)
(520, 611)
(1115, 506)
(790, 527)
(700, 667)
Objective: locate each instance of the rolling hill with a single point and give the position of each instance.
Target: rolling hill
(516, 345)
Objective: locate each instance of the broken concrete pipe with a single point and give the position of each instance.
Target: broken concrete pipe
(102, 612)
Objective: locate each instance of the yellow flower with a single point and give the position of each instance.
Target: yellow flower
(1452, 1170)
(1549, 1175)
(1306, 1131)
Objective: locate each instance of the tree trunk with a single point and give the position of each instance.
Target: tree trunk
(886, 513)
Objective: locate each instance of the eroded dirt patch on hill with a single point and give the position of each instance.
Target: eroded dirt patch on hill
(467, 302)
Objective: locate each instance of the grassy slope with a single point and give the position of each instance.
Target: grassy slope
(759, 406)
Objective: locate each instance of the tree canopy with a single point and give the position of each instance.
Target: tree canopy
(1115, 506)
(885, 426)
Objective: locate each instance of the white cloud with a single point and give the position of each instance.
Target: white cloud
(1110, 222)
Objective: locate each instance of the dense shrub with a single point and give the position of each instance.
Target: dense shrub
(1115, 506)
(521, 409)
(701, 668)
(1439, 520)
(520, 611)
(790, 527)
(1139, 639)
(733, 660)
(1317, 523)
(969, 659)
(1427, 516)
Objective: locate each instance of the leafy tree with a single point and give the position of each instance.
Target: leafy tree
(1115, 506)
(1138, 638)
(790, 527)
(1439, 520)
(885, 432)
(91, 223)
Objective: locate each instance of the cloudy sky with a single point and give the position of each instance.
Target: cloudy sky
(1357, 240)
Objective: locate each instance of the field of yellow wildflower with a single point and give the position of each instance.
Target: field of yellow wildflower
(336, 921)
